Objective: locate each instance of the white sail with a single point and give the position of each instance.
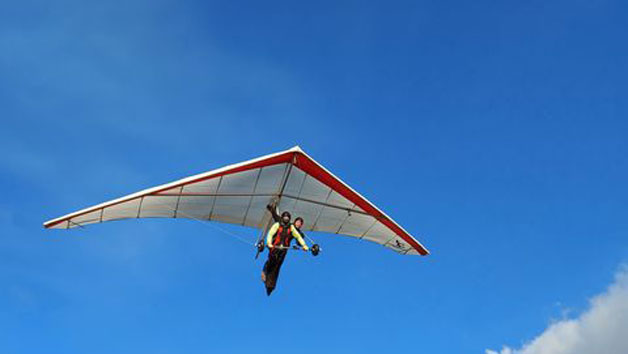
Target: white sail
(238, 194)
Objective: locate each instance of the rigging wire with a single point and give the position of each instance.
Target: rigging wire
(227, 232)
(236, 236)
(216, 227)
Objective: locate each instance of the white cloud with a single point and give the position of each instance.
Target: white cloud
(603, 328)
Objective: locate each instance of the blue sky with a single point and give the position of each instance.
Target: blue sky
(495, 132)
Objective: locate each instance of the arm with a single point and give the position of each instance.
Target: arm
(273, 211)
(271, 233)
(297, 234)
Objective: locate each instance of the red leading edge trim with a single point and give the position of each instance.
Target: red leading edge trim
(275, 160)
(315, 170)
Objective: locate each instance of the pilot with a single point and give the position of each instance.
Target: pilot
(278, 242)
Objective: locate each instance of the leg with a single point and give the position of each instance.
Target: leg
(280, 259)
(275, 259)
(264, 272)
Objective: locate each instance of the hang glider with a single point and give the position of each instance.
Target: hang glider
(238, 194)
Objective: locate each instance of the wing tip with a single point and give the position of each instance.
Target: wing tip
(421, 251)
(51, 223)
(296, 148)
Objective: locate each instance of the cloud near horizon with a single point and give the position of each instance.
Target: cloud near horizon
(602, 328)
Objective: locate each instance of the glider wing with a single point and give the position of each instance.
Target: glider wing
(238, 194)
